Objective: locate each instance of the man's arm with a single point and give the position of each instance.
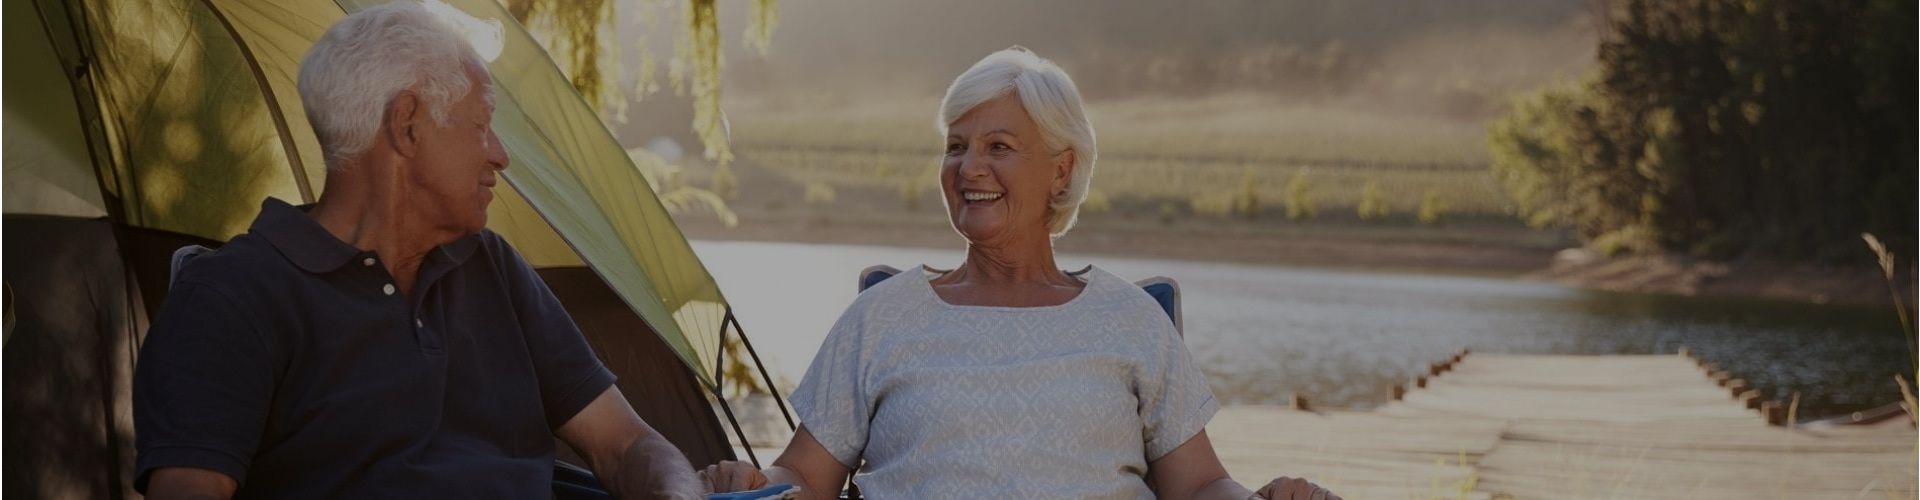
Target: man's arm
(201, 394)
(629, 457)
(188, 483)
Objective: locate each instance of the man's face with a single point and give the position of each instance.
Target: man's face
(458, 164)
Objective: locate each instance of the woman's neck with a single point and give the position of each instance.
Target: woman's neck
(1008, 276)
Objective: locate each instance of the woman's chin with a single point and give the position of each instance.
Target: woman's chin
(976, 231)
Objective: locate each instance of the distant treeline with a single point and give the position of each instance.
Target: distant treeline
(1728, 129)
(1459, 57)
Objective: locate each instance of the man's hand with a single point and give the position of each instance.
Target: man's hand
(1288, 488)
(627, 456)
(730, 475)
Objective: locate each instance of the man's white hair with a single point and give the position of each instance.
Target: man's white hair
(1052, 102)
(356, 69)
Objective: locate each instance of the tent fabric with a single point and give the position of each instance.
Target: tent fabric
(566, 165)
(646, 367)
(192, 116)
(46, 166)
(136, 126)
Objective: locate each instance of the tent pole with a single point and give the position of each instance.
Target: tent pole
(777, 400)
(273, 103)
(728, 409)
(720, 359)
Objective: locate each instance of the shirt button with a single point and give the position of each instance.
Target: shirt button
(419, 324)
(368, 262)
(388, 288)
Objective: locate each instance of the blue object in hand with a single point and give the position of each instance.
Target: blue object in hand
(770, 492)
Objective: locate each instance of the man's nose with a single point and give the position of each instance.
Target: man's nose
(497, 156)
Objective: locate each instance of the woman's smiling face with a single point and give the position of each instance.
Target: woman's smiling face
(999, 175)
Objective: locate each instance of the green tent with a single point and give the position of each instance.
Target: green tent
(133, 127)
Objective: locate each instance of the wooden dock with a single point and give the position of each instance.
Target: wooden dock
(1514, 426)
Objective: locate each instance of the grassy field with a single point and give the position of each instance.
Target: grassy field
(1198, 157)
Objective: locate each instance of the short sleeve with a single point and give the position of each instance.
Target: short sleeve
(202, 388)
(570, 376)
(1175, 402)
(832, 399)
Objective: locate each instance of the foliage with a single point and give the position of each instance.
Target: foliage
(1215, 204)
(573, 30)
(724, 183)
(1887, 265)
(1433, 209)
(571, 34)
(1300, 197)
(1246, 201)
(1373, 205)
(1096, 202)
(1726, 128)
(819, 193)
(672, 189)
(1534, 158)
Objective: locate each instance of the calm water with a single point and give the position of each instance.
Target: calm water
(1342, 338)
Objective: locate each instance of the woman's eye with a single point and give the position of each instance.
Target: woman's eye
(955, 149)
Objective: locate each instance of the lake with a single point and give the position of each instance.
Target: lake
(1342, 338)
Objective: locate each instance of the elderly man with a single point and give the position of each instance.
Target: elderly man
(383, 343)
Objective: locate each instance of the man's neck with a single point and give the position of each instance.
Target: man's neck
(373, 214)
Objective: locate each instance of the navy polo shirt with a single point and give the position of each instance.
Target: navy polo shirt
(289, 361)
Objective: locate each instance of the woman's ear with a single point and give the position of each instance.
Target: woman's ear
(403, 115)
(1063, 172)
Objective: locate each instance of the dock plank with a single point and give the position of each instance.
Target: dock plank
(1545, 426)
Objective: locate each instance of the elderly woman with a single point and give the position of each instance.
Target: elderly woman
(1005, 375)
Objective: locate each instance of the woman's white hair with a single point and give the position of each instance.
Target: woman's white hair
(1052, 102)
(356, 69)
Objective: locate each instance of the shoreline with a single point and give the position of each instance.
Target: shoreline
(1463, 249)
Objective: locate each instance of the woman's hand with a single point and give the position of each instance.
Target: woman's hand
(730, 475)
(1287, 488)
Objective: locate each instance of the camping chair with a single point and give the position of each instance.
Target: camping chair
(181, 258)
(1164, 291)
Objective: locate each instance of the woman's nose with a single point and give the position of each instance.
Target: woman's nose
(972, 166)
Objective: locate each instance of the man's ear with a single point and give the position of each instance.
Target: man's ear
(401, 121)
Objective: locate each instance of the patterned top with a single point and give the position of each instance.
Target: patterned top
(948, 401)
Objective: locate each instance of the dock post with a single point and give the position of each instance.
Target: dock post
(1300, 402)
(1775, 413)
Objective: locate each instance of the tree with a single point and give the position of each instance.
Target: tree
(572, 31)
(1724, 128)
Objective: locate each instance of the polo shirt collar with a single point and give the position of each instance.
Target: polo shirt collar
(310, 247)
